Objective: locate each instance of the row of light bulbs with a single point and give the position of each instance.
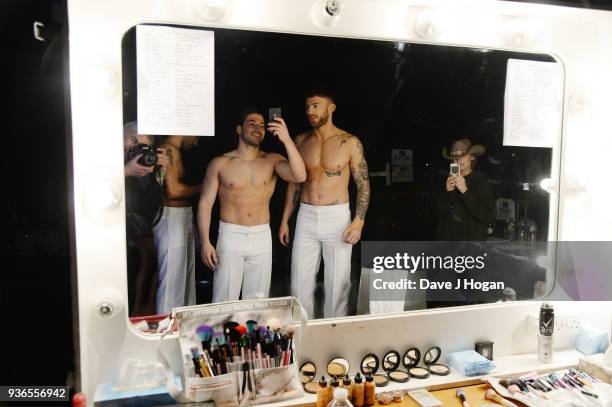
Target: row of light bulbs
(517, 31)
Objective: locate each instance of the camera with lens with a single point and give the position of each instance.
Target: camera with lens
(149, 154)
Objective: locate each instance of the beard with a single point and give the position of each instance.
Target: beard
(318, 122)
(251, 140)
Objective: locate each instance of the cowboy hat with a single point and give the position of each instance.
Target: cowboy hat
(462, 147)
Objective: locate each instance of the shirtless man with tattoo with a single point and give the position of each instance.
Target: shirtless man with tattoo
(324, 223)
(244, 179)
(174, 232)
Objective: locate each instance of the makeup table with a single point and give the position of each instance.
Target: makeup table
(446, 386)
(475, 395)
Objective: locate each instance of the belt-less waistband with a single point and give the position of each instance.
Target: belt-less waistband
(175, 209)
(231, 227)
(325, 208)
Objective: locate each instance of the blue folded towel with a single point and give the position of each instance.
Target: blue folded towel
(470, 363)
(590, 341)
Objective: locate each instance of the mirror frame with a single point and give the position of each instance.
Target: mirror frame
(96, 30)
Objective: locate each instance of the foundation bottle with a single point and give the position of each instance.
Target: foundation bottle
(334, 384)
(358, 391)
(348, 385)
(323, 398)
(369, 393)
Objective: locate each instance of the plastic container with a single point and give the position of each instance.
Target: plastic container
(340, 398)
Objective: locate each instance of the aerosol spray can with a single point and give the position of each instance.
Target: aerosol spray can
(545, 334)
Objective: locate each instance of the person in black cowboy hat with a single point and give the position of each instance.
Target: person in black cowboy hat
(465, 207)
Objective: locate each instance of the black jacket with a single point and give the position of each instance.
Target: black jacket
(465, 216)
(142, 203)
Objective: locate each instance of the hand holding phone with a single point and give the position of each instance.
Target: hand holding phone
(274, 113)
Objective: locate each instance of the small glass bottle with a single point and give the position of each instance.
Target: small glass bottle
(358, 391)
(369, 392)
(323, 393)
(340, 398)
(334, 385)
(348, 385)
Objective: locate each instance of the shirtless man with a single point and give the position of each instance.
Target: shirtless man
(324, 218)
(245, 179)
(174, 232)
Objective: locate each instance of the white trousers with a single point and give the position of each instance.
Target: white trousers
(320, 228)
(175, 259)
(245, 262)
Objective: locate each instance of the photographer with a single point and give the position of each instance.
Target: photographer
(465, 206)
(144, 164)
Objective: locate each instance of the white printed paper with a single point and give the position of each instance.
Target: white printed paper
(532, 103)
(175, 78)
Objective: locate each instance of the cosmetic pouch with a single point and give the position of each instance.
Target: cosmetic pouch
(470, 363)
(239, 388)
(590, 341)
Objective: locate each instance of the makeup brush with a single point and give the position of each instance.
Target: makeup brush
(461, 395)
(244, 338)
(205, 333)
(250, 324)
(262, 332)
(274, 324)
(195, 358)
(242, 329)
(218, 338)
(290, 333)
(491, 395)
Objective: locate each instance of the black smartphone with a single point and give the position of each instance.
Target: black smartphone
(274, 113)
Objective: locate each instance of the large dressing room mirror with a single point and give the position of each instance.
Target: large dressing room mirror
(420, 112)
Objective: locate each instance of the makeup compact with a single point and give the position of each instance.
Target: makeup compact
(307, 376)
(370, 364)
(390, 363)
(338, 367)
(431, 357)
(411, 360)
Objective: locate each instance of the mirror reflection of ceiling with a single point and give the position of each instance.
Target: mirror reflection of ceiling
(392, 96)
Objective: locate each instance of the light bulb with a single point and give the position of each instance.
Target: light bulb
(107, 303)
(103, 81)
(103, 196)
(580, 104)
(519, 32)
(326, 13)
(210, 10)
(428, 24)
(548, 185)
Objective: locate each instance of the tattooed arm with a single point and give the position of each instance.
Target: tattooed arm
(175, 188)
(359, 170)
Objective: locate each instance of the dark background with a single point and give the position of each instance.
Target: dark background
(35, 285)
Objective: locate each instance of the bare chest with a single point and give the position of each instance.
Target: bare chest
(330, 156)
(240, 175)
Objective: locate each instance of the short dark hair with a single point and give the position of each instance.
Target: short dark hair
(321, 91)
(242, 115)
